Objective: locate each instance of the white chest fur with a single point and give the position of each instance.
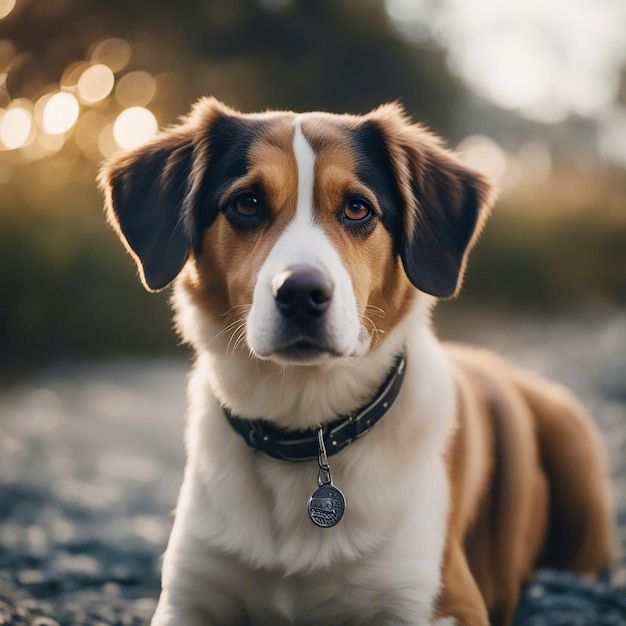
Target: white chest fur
(242, 523)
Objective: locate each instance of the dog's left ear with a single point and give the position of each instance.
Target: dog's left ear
(446, 204)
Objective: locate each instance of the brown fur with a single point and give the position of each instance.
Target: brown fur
(381, 288)
(519, 497)
(222, 277)
(516, 488)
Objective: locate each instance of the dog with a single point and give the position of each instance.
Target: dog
(344, 467)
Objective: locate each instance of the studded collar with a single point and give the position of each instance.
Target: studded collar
(303, 445)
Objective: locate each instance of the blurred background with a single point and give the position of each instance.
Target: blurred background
(532, 92)
(92, 377)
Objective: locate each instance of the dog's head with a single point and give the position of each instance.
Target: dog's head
(310, 232)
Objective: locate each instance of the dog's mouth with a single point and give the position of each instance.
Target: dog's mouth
(302, 351)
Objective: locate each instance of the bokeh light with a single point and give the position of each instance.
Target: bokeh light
(6, 6)
(135, 89)
(485, 155)
(43, 146)
(60, 113)
(88, 129)
(412, 19)
(543, 60)
(49, 143)
(15, 127)
(133, 127)
(8, 52)
(114, 52)
(95, 83)
(72, 73)
(515, 70)
(535, 161)
(106, 141)
(39, 108)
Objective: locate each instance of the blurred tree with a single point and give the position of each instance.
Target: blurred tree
(337, 55)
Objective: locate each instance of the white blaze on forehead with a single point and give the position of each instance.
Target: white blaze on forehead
(304, 242)
(305, 160)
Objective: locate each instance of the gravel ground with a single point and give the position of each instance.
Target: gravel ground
(91, 459)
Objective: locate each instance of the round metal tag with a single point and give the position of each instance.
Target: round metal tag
(327, 506)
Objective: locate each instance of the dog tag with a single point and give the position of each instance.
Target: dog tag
(327, 505)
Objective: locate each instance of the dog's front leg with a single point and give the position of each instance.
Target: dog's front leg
(460, 602)
(190, 603)
(179, 613)
(199, 586)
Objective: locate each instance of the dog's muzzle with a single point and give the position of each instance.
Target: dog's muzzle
(302, 294)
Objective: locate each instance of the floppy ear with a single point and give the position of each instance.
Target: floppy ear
(446, 205)
(151, 193)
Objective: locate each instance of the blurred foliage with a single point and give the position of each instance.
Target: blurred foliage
(68, 289)
(336, 55)
(557, 247)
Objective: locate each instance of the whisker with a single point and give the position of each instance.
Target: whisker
(243, 310)
(240, 339)
(232, 325)
(371, 309)
(236, 336)
(245, 307)
(280, 372)
(368, 321)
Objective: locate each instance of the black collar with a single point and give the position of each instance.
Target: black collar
(302, 445)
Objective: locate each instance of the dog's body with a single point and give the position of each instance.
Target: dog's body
(306, 248)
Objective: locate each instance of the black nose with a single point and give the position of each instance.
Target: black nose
(302, 291)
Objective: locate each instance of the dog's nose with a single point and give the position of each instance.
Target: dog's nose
(302, 291)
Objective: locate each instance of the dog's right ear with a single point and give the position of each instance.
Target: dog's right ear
(151, 193)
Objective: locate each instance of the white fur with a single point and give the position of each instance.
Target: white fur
(241, 527)
(304, 243)
(242, 550)
(305, 159)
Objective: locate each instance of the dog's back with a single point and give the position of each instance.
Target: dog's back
(540, 485)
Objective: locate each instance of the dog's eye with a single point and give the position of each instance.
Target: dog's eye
(246, 210)
(246, 204)
(358, 216)
(357, 210)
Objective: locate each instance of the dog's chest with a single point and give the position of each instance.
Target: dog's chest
(381, 562)
(257, 506)
(370, 591)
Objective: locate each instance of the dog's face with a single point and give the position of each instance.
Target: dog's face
(304, 235)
